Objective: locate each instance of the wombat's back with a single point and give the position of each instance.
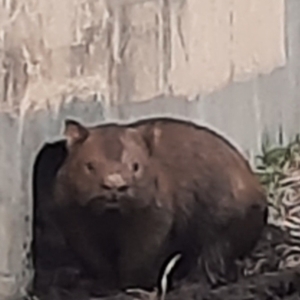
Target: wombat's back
(191, 153)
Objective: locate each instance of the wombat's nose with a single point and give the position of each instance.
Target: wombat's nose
(115, 182)
(122, 188)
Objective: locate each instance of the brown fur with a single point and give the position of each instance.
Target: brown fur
(133, 195)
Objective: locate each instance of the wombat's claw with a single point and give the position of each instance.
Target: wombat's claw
(164, 281)
(140, 294)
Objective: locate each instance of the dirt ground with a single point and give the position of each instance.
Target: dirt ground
(263, 280)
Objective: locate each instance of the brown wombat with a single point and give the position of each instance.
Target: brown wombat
(131, 196)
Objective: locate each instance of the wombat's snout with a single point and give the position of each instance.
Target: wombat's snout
(115, 184)
(114, 187)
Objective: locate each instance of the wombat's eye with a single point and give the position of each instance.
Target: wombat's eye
(135, 167)
(90, 166)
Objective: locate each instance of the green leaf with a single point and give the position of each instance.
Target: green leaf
(275, 156)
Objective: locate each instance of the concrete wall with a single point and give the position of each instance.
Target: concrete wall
(231, 64)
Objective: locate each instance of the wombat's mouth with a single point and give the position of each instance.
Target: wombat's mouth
(99, 204)
(114, 204)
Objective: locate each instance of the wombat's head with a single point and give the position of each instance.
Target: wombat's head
(107, 167)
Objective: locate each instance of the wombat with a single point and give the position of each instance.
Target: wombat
(133, 195)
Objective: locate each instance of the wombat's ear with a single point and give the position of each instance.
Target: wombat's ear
(149, 136)
(74, 132)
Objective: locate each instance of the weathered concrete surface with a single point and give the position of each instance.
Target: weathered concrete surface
(216, 42)
(133, 50)
(125, 59)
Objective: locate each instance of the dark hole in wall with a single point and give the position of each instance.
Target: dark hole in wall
(51, 257)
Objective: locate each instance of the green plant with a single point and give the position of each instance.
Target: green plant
(278, 169)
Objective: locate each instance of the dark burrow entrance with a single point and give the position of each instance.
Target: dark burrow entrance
(55, 266)
(59, 275)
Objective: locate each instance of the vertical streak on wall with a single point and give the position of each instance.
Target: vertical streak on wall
(119, 64)
(258, 119)
(160, 42)
(166, 43)
(231, 41)
(111, 65)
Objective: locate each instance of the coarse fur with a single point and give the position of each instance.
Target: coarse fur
(133, 195)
